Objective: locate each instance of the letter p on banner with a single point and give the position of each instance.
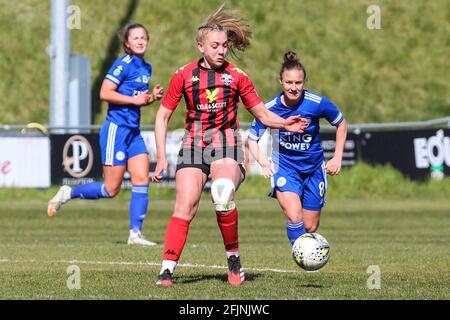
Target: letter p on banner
(74, 279)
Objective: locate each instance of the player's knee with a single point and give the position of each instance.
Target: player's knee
(114, 193)
(139, 179)
(222, 193)
(113, 190)
(185, 207)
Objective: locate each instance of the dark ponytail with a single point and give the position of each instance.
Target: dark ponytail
(291, 61)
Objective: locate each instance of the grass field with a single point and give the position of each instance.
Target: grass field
(407, 240)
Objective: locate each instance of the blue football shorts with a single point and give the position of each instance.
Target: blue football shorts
(118, 144)
(310, 187)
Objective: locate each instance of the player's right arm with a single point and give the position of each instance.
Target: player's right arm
(108, 93)
(115, 76)
(267, 167)
(168, 106)
(256, 131)
(162, 120)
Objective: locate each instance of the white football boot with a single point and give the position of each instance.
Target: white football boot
(138, 238)
(61, 197)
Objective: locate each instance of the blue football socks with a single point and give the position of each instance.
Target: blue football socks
(294, 230)
(138, 206)
(93, 190)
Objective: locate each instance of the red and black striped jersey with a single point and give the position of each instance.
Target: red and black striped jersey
(212, 98)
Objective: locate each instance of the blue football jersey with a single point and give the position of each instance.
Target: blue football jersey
(300, 151)
(132, 76)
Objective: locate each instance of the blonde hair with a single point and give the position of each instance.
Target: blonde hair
(237, 30)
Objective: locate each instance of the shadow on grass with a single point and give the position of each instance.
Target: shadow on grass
(249, 277)
(313, 286)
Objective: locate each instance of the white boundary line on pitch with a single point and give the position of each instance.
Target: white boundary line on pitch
(126, 263)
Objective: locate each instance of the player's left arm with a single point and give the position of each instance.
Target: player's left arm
(335, 117)
(255, 105)
(334, 165)
(274, 121)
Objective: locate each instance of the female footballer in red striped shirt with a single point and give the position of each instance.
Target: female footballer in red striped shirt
(212, 145)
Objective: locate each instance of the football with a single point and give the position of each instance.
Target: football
(311, 251)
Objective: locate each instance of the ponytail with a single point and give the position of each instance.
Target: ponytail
(291, 61)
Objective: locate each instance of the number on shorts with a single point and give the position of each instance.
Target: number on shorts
(322, 188)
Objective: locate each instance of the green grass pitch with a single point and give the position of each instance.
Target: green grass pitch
(407, 240)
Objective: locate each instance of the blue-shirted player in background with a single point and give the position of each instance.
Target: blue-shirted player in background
(125, 88)
(298, 169)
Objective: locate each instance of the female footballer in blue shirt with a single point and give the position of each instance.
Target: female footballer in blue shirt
(298, 170)
(125, 88)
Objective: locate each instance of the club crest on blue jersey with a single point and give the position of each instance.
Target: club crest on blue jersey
(117, 71)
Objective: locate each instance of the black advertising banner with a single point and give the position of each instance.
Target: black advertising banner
(351, 148)
(75, 159)
(418, 154)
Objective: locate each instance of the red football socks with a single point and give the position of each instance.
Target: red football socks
(228, 224)
(176, 235)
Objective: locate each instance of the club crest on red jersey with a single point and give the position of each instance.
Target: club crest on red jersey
(226, 79)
